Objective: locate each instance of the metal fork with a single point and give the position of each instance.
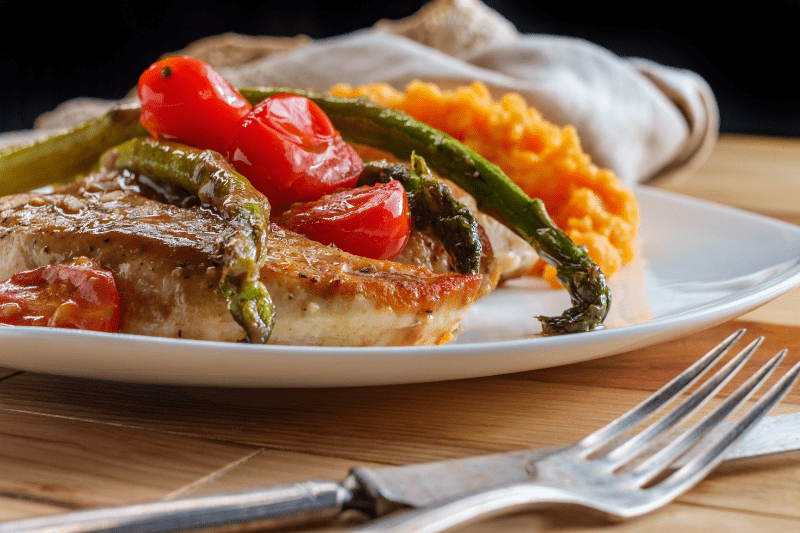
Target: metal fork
(618, 475)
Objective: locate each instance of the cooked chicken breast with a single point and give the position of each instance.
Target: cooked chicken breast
(166, 256)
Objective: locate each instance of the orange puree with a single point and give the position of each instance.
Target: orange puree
(589, 203)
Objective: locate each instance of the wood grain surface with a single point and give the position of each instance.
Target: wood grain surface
(69, 444)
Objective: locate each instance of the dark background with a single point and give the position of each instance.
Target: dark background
(747, 54)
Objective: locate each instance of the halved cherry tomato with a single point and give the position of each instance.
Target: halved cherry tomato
(289, 150)
(370, 221)
(80, 294)
(186, 100)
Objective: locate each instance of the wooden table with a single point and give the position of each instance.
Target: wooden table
(69, 444)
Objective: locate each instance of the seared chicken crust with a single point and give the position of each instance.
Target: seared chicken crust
(166, 255)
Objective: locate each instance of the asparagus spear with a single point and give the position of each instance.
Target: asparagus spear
(63, 155)
(434, 208)
(209, 175)
(364, 122)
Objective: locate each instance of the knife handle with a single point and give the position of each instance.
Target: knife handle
(283, 505)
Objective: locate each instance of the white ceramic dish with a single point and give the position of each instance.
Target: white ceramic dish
(700, 264)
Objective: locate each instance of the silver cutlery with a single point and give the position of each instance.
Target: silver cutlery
(610, 471)
(623, 476)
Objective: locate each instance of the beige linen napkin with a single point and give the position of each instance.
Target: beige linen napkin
(642, 120)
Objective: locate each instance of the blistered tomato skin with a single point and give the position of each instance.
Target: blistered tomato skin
(290, 151)
(184, 99)
(77, 295)
(371, 221)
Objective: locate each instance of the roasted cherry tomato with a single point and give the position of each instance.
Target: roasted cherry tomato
(186, 100)
(78, 295)
(371, 221)
(289, 150)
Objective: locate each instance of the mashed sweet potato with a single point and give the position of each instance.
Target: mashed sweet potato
(545, 160)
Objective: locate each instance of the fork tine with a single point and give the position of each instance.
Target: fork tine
(678, 384)
(698, 467)
(659, 462)
(632, 447)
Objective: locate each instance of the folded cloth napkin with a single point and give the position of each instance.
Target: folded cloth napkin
(640, 119)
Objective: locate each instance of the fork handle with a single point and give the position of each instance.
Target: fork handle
(478, 506)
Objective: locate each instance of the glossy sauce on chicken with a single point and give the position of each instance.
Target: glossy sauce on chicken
(166, 254)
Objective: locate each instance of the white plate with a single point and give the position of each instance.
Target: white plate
(700, 264)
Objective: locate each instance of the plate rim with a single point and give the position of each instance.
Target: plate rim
(603, 342)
